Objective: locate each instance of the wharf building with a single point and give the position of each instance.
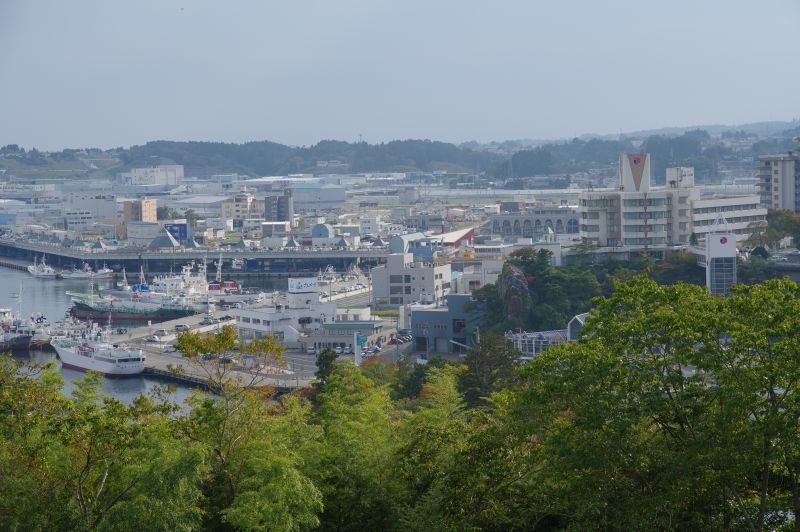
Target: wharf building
(300, 314)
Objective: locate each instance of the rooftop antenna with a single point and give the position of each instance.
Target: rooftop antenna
(720, 222)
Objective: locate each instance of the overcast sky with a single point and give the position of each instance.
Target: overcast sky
(108, 73)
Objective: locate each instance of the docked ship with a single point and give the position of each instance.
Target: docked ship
(228, 292)
(42, 269)
(13, 337)
(38, 328)
(92, 350)
(168, 297)
(86, 272)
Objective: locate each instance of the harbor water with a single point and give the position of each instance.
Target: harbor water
(48, 296)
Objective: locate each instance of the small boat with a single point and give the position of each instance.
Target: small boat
(104, 273)
(42, 269)
(86, 272)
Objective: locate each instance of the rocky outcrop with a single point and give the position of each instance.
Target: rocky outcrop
(512, 287)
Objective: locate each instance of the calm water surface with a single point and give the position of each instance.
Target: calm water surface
(49, 297)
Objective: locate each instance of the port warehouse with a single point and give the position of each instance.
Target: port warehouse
(278, 263)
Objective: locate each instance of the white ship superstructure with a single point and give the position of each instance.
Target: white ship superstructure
(42, 269)
(91, 349)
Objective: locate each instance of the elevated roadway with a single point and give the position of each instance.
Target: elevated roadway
(286, 262)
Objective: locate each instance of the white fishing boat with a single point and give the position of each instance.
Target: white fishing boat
(104, 273)
(91, 349)
(86, 272)
(42, 269)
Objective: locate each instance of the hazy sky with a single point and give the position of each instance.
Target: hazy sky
(111, 72)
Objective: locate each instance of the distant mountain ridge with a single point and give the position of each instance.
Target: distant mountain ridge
(762, 129)
(670, 145)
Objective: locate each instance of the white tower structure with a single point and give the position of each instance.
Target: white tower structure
(720, 259)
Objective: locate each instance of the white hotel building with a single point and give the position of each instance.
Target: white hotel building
(638, 216)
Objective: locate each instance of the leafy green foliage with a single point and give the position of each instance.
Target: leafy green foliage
(490, 367)
(676, 410)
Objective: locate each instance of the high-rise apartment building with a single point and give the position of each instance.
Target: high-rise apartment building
(779, 181)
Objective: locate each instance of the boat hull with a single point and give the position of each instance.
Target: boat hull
(18, 344)
(71, 359)
(81, 311)
(112, 375)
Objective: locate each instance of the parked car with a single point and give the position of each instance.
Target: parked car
(311, 351)
(338, 350)
(122, 330)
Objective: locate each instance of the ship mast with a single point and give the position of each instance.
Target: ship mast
(19, 302)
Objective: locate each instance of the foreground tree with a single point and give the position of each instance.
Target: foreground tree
(354, 416)
(490, 367)
(255, 478)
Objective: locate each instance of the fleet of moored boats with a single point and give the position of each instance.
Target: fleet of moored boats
(83, 345)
